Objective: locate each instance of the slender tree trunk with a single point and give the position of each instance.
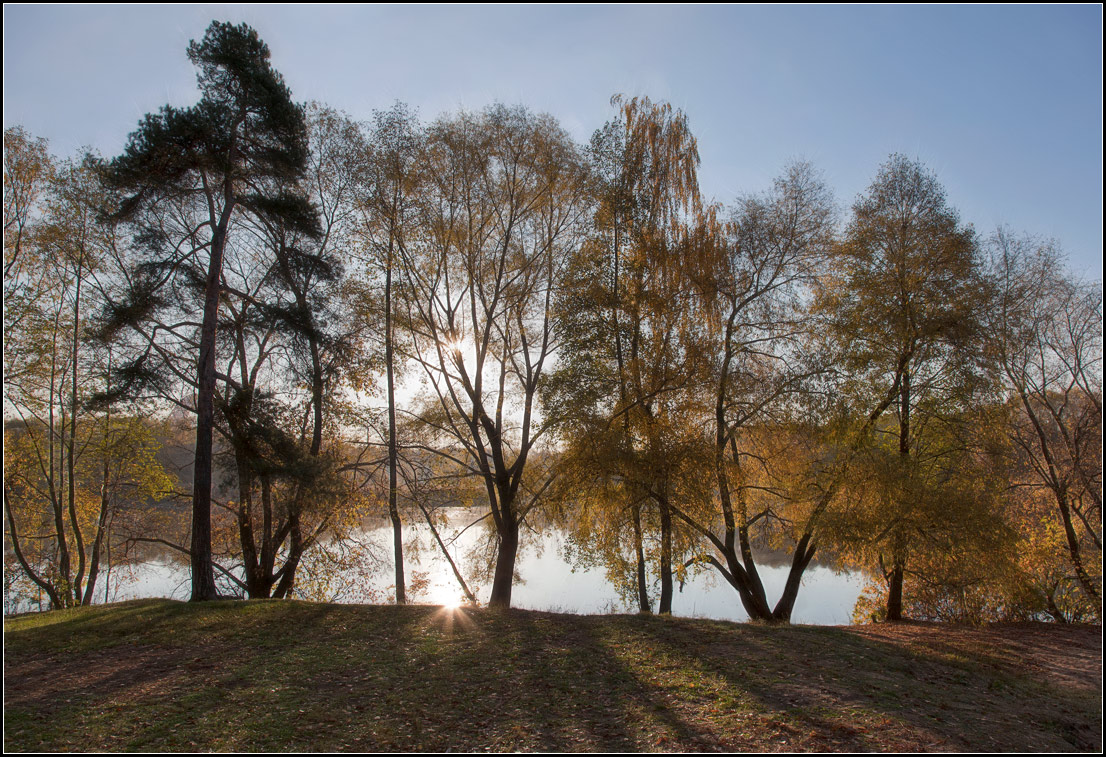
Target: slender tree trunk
(1059, 491)
(107, 569)
(71, 452)
(41, 583)
(639, 550)
(270, 542)
(639, 547)
(203, 572)
(291, 564)
(286, 576)
(1085, 581)
(103, 533)
(98, 542)
(56, 473)
(297, 545)
(894, 591)
(393, 454)
(449, 558)
(895, 580)
(256, 587)
(665, 607)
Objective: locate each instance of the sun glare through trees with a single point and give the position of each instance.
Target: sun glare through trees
(661, 378)
(265, 325)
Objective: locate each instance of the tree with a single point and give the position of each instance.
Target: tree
(187, 172)
(628, 320)
(116, 475)
(500, 208)
(293, 334)
(389, 206)
(28, 169)
(1045, 334)
(67, 470)
(950, 497)
(899, 303)
(758, 370)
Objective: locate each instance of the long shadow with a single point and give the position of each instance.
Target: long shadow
(586, 697)
(626, 639)
(812, 675)
(520, 680)
(553, 690)
(420, 678)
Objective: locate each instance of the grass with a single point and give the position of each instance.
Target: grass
(157, 675)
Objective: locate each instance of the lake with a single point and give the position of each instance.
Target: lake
(548, 580)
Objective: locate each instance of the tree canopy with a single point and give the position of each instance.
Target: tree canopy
(397, 318)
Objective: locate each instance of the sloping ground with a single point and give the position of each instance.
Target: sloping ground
(158, 675)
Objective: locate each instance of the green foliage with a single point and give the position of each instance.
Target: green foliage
(184, 171)
(240, 95)
(224, 227)
(119, 476)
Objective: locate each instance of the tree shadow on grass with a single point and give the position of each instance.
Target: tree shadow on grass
(582, 695)
(837, 689)
(290, 675)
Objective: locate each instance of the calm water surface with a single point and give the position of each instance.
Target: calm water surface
(548, 581)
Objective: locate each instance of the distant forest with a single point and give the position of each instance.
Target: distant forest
(264, 323)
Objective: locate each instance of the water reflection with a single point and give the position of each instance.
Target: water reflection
(548, 580)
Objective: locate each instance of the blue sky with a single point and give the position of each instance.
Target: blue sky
(1004, 103)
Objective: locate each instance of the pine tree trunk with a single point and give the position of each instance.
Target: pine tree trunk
(203, 572)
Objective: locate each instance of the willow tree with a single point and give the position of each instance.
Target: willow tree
(899, 299)
(186, 174)
(500, 209)
(630, 323)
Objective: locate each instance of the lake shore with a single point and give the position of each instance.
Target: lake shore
(159, 675)
(549, 579)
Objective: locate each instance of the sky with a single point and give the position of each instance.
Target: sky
(1003, 103)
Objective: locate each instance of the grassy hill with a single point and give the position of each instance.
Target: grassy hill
(159, 675)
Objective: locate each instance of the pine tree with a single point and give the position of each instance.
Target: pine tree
(185, 175)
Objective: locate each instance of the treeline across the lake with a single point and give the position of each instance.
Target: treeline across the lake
(340, 319)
